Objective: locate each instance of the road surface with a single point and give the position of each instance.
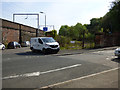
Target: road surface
(24, 69)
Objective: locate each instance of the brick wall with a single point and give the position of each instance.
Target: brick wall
(10, 35)
(12, 31)
(105, 40)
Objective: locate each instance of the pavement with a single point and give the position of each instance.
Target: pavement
(79, 51)
(109, 77)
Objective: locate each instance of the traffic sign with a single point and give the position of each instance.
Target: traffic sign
(45, 28)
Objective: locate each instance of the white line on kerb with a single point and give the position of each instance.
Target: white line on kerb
(40, 73)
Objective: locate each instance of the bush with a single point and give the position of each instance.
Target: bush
(62, 40)
(66, 44)
(5, 43)
(90, 45)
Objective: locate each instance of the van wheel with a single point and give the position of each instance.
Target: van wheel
(44, 51)
(118, 57)
(33, 50)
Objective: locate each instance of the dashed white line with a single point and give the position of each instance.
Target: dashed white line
(40, 73)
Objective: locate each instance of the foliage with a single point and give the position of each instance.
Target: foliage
(90, 45)
(111, 21)
(64, 30)
(62, 40)
(89, 37)
(6, 43)
(74, 32)
(52, 33)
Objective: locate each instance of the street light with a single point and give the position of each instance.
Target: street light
(45, 18)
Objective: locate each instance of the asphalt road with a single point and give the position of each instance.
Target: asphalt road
(24, 69)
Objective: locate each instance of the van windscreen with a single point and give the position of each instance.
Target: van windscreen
(48, 40)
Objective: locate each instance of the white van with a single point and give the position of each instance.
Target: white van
(44, 44)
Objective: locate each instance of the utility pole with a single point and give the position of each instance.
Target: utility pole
(83, 39)
(20, 34)
(37, 30)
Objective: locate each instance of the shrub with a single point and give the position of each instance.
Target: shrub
(62, 40)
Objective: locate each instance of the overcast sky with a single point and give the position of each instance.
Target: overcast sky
(58, 12)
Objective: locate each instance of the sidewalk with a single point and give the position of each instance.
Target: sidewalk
(79, 51)
(104, 79)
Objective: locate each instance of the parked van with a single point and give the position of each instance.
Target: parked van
(44, 44)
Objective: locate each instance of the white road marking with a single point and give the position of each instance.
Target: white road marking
(26, 57)
(107, 58)
(79, 78)
(8, 58)
(106, 51)
(110, 57)
(40, 73)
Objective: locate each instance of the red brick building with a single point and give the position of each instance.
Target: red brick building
(12, 31)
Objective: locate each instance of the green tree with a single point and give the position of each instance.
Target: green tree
(73, 33)
(111, 21)
(54, 33)
(95, 25)
(80, 29)
(64, 30)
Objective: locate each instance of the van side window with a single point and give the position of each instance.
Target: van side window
(40, 41)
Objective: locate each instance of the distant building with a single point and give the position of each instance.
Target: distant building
(49, 34)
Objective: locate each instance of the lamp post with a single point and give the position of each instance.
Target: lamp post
(45, 18)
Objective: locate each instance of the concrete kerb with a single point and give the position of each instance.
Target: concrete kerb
(109, 48)
(80, 51)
